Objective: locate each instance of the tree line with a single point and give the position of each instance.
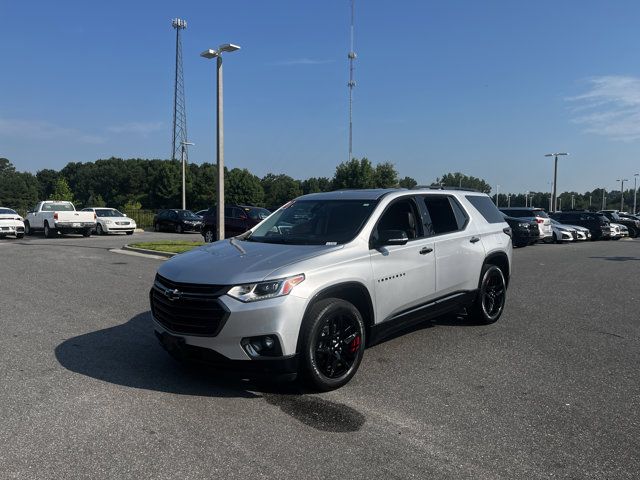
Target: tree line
(133, 184)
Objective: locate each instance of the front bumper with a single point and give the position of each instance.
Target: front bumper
(118, 228)
(280, 317)
(11, 229)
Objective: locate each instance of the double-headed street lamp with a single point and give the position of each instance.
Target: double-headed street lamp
(622, 180)
(209, 54)
(555, 174)
(183, 149)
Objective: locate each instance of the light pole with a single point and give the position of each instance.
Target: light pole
(572, 202)
(184, 183)
(526, 198)
(635, 191)
(622, 180)
(497, 195)
(589, 201)
(604, 199)
(509, 200)
(209, 54)
(555, 172)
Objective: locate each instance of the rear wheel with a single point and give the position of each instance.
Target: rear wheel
(48, 232)
(491, 296)
(86, 232)
(27, 229)
(633, 233)
(332, 344)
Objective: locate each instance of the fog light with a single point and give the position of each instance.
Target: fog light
(262, 346)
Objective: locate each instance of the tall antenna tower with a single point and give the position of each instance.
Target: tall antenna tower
(179, 112)
(351, 84)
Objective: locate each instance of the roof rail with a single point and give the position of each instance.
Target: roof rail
(444, 187)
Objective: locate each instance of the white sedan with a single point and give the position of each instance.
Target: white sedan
(110, 220)
(11, 223)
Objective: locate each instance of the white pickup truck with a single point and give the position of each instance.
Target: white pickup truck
(56, 216)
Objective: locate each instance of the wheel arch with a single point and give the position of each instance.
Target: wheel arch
(355, 293)
(501, 260)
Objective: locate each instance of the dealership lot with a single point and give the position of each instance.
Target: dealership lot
(550, 391)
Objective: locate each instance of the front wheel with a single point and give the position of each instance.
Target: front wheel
(179, 228)
(491, 296)
(19, 235)
(86, 232)
(332, 344)
(99, 230)
(156, 227)
(48, 232)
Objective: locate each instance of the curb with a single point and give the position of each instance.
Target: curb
(148, 252)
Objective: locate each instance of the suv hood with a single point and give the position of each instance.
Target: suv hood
(221, 263)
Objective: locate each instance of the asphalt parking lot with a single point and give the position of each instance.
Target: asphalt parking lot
(550, 391)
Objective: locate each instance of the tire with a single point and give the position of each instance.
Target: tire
(130, 232)
(86, 232)
(332, 340)
(179, 229)
(27, 229)
(48, 232)
(19, 235)
(209, 236)
(555, 239)
(633, 233)
(156, 227)
(99, 230)
(491, 280)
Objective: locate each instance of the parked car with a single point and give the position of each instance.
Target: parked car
(597, 224)
(178, 221)
(201, 213)
(304, 291)
(237, 220)
(563, 233)
(621, 231)
(525, 231)
(544, 224)
(11, 223)
(110, 220)
(633, 225)
(54, 216)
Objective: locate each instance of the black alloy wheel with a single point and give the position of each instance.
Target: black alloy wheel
(333, 336)
(491, 297)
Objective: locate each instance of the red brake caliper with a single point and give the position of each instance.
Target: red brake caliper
(355, 344)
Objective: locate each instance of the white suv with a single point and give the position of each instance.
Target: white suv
(306, 290)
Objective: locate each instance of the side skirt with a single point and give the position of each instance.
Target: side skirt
(413, 316)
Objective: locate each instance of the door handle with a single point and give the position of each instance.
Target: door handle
(426, 250)
(474, 239)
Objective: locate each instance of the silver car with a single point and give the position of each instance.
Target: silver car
(303, 292)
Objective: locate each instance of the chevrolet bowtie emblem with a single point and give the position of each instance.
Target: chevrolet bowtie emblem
(173, 294)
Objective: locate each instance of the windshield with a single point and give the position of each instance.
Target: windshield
(7, 211)
(108, 212)
(315, 222)
(188, 214)
(58, 207)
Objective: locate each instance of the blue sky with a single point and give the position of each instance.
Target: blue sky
(483, 87)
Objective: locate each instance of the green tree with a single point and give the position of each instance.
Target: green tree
(279, 189)
(354, 174)
(244, 188)
(47, 179)
(316, 184)
(6, 166)
(385, 175)
(458, 179)
(407, 182)
(61, 191)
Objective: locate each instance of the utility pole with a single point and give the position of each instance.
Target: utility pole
(572, 202)
(555, 171)
(622, 180)
(498, 196)
(635, 191)
(604, 199)
(352, 83)
(183, 158)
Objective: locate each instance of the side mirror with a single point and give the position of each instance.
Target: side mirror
(392, 237)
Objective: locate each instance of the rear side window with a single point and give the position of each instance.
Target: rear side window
(442, 215)
(487, 208)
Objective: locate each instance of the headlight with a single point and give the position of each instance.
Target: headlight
(253, 292)
(523, 225)
(108, 222)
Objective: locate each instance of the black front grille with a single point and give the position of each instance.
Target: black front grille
(187, 308)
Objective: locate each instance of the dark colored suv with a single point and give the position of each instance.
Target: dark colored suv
(525, 231)
(597, 223)
(178, 221)
(632, 224)
(237, 220)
